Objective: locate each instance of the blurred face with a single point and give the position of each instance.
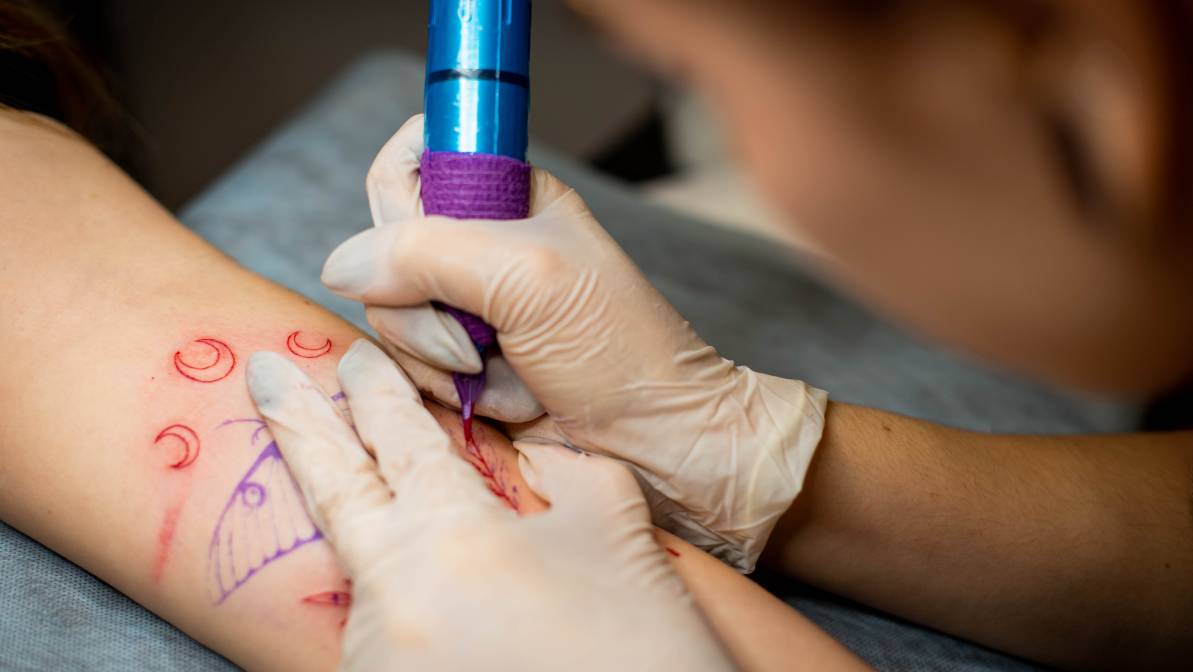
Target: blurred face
(993, 178)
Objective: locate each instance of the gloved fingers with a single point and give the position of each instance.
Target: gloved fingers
(414, 454)
(582, 484)
(457, 261)
(599, 498)
(505, 397)
(423, 259)
(542, 428)
(338, 479)
(429, 334)
(545, 191)
(393, 184)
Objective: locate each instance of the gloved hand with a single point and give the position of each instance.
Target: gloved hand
(446, 578)
(723, 449)
(393, 188)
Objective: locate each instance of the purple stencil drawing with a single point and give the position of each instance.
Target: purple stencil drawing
(256, 422)
(264, 520)
(341, 401)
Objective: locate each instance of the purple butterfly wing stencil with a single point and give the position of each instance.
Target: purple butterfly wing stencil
(264, 519)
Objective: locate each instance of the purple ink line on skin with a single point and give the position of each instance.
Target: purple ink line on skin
(264, 519)
(474, 186)
(254, 421)
(343, 407)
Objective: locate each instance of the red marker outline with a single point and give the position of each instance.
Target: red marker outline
(300, 350)
(197, 373)
(189, 439)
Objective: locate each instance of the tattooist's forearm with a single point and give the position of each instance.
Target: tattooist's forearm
(1076, 551)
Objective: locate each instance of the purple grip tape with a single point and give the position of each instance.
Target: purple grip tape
(474, 186)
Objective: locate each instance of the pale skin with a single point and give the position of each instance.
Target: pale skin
(916, 148)
(101, 287)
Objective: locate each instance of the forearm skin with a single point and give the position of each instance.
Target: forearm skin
(128, 442)
(1074, 551)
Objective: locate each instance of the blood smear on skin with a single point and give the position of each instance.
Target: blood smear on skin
(331, 598)
(487, 472)
(671, 551)
(165, 538)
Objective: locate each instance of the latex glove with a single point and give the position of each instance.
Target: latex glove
(393, 187)
(723, 449)
(446, 578)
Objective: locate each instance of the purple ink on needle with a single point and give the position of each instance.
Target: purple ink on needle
(469, 386)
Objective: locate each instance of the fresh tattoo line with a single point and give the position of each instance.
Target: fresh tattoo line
(181, 435)
(300, 350)
(331, 598)
(185, 436)
(490, 468)
(220, 367)
(494, 476)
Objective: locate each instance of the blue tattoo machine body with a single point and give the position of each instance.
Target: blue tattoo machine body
(478, 77)
(476, 100)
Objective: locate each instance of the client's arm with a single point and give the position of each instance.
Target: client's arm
(129, 445)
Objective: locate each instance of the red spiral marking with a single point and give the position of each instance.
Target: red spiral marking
(301, 350)
(219, 368)
(190, 444)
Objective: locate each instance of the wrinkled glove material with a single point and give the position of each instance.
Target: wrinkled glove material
(723, 450)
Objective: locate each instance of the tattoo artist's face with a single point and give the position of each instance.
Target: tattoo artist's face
(980, 177)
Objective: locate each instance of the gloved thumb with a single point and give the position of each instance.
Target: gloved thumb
(576, 482)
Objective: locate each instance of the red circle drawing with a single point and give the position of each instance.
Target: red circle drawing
(189, 440)
(301, 350)
(219, 368)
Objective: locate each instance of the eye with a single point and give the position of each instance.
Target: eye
(1075, 163)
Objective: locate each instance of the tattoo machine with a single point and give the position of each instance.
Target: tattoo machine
(476, 100)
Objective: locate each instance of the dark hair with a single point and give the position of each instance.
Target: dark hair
(43, 70)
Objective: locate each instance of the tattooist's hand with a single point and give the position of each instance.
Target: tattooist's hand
(619, 371)
(430, 343)
(444, 576)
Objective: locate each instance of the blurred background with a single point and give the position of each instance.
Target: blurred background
(203, 82)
